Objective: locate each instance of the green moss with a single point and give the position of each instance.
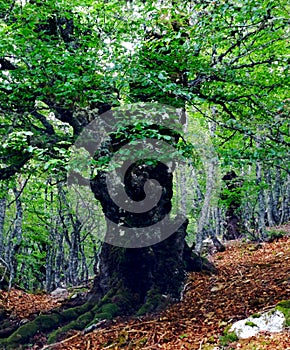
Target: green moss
(211, 339)
(228, 338)
(256, 315)
(124, 300)
(272, 234)
(70, 314)
(284, 307)
(122, 338)
(75, 312)
(111, 308)
(251, 324)
(52, 337)
(84, 307)
(83, 320)
(103, 316)
(103, 311)
(3, 344)
(23, 333)
(78, 324)
(80, 314)
(41, 323)
(142, 341)
(285, 304)
(153, 302)
(47, 322)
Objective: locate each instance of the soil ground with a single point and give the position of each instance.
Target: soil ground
(251, 278)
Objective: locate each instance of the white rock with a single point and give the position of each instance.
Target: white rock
(242, 330)
(59, 293)
(272, 321)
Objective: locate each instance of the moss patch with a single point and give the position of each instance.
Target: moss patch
(154, 300)
(284, 307)
(111, 309)
(25, 332)
(228, 338)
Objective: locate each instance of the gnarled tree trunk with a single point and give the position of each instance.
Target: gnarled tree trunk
(140, 278)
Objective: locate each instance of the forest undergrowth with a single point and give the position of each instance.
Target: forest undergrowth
(250, 278)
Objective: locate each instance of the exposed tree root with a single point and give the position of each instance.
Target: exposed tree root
(77, 318)
(43, 323)
(119, 300)
(116, 302)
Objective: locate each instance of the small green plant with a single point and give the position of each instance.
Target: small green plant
(275, 234)
(251, 324)
(228, 337)
(182, 336)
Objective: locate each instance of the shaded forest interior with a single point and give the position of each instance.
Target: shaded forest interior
(144, 144)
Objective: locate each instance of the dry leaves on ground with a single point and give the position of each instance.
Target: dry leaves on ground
(250, 278)
(22, 305)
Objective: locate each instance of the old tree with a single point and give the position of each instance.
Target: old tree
(65, 64)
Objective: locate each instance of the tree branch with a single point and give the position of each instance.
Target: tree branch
(8, 172)
(6, 65)
(48, 127)
(253, 64)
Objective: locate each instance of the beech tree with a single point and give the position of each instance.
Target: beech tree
(65, 64)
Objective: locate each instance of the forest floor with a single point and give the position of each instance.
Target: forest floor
(251, 278)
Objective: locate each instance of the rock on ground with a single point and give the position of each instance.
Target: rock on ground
(271, 321)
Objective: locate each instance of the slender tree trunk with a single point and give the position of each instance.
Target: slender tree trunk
(214, 232)
(261, 201)
(233, 202)
(277, 194)
(2, 222)
(15, 238)
(204, 216)
(285, 205)
(74, 253)
(58, 256)
(3, 263)
(269, 199)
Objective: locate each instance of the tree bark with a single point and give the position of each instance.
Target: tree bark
(141, 278)
(14, 242)
(232, 197)
(2, 221)
(261, 201)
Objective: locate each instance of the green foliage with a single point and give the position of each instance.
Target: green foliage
(227, 338)
(232, 57)
(275, 234)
